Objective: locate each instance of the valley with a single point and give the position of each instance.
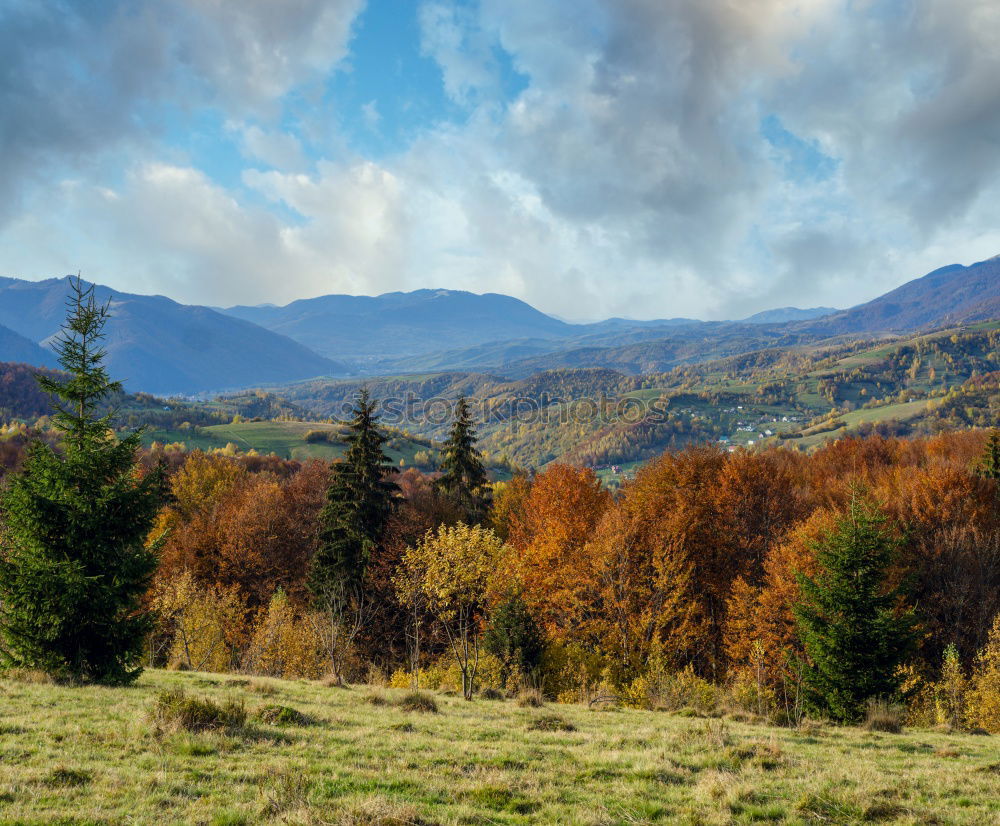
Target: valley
(608, 395)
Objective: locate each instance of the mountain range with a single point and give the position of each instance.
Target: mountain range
(18, 348)
(155, 344)
(158, 345)
(394, 324)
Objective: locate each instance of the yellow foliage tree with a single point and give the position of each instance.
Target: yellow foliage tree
(451, 571)
(644, 602)
(202, 482)
(206, 627)
(285, 643)
(983, 698)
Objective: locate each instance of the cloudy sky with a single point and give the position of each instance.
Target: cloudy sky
(641, 158)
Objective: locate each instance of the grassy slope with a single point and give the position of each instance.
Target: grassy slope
(92, 755)
(286, 439)
(903, 411)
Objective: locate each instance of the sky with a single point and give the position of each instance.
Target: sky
(596, 158)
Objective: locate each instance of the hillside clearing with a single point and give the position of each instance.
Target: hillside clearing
(95, 755)
(286, 439)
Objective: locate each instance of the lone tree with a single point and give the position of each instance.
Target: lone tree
(848, 618)
(74, 561)
(359, 501)
(451, 572)
(464, 478)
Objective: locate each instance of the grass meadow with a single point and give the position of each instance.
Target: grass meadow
(308, 753)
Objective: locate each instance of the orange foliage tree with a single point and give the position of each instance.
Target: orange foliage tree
(551, 533)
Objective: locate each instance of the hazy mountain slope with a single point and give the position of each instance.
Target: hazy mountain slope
(949, 295)
(688, 346)
(395, 324)
(784, 314)
(159, 346)
(15, 347)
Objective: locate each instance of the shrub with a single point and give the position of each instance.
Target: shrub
(662, 690)
(921, 698)
(571, 673)
(278, 715)
(881, 715)
(318, 436)
(551, 722)
(174, 709)
(445, 675)
(61, 776)
(206, 627)
(747, 695)
(491, 694)
(418, 701)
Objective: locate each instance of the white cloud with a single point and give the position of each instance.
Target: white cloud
(274, 148)
(80, 83)
(629, 177)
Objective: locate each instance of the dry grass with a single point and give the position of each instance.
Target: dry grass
(101, 756)
(178, 711)
(530, 698)
(883, 716)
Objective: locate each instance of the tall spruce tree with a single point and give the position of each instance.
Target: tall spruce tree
(463, 476)
(74, 562)
(989, 464)
(848, 618)
(359, 501)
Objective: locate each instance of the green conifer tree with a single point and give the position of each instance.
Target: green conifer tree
(73, 556)
(463, 476)
(359, 501)
(848, 619)
(514, 638)
(989, 464)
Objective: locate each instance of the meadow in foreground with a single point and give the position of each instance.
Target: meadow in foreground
(313, 754)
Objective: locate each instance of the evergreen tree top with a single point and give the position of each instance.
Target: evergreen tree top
(81, 355)
(462, 464)
(365, 458)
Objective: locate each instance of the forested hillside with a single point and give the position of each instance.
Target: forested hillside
(802, 395)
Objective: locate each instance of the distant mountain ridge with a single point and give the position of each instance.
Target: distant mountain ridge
(783, 314)
(393, 324)
(950, 295)
(159, 346)
(22, 350)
